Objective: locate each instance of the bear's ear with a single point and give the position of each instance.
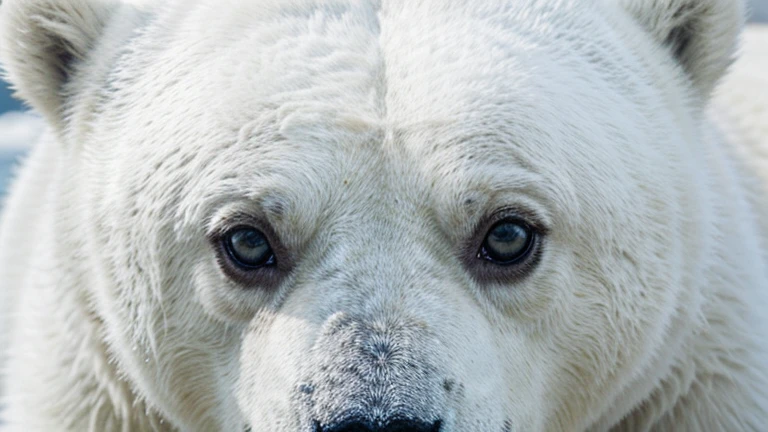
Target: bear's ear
(41, 44)
(701, 34)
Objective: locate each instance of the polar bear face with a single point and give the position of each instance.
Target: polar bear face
(434, 216)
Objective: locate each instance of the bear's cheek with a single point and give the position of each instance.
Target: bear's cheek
(608, 319)
(589, 315)
(225, 300)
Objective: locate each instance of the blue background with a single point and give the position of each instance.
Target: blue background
(7, 103)
(7, 159)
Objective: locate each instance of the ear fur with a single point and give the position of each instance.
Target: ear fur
(42, 42)
(702, 35)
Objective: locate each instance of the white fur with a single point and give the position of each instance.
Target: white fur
(374, 137)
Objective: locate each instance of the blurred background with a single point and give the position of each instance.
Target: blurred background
(12, 126)
(18, 130)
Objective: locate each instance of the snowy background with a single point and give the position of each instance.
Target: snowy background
(18, 130)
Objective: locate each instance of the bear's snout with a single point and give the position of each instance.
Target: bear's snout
(374, 377)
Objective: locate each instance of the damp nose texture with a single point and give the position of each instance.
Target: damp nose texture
(375, 376)
(394, 426)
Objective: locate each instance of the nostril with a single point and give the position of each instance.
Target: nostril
(390, 426)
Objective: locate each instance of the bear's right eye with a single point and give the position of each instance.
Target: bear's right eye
(508, 242)
(249, 248)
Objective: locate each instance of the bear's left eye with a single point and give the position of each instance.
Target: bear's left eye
(508, 242)
(249, 248)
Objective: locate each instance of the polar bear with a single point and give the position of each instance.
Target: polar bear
(383, 216)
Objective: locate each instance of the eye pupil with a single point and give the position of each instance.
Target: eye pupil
(249, 248)
(507, 243)
(248, 239)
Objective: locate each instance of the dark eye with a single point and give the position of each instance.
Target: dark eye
(508, 242)
(249, 248)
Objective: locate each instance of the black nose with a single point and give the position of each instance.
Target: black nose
(391, 426)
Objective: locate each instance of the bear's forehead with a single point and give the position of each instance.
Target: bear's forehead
(397, 62)
(415, 70)
(413, 98)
